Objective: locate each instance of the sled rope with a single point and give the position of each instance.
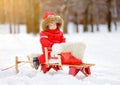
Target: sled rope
(17, 62)
(7, 68)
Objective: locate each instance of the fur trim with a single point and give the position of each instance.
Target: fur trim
(76, 48)
(56, 19)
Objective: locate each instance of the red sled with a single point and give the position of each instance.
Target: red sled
(65, 55)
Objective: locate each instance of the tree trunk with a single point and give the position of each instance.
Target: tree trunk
(91, 22)
(96, 12)
(86, 19)
(10, 27)
(36, 16)
(109, 21)
(65, 15)
(109, 15)
(18, 27)
(76, 22)
(29, 20)
(115, 15)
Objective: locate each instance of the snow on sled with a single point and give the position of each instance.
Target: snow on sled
(65, 54)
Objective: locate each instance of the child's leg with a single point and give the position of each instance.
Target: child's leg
(41, 59)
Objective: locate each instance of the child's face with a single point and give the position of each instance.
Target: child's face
(52, 26)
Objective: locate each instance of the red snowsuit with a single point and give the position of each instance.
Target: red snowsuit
(47, 39)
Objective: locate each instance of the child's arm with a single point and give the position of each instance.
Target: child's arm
(45, 42)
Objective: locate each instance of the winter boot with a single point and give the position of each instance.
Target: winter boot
(36, 62)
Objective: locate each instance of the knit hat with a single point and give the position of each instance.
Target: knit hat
(51, 17)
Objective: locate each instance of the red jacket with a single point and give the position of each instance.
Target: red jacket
(50, 37)
(47, 39)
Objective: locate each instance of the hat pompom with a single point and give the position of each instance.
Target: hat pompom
(47, 14)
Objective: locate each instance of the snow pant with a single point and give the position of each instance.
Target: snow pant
(41, 58)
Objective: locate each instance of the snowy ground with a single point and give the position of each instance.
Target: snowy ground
(103, 49)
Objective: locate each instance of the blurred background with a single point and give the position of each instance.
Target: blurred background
(85, 12)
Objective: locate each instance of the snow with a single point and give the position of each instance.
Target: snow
(103, 50)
